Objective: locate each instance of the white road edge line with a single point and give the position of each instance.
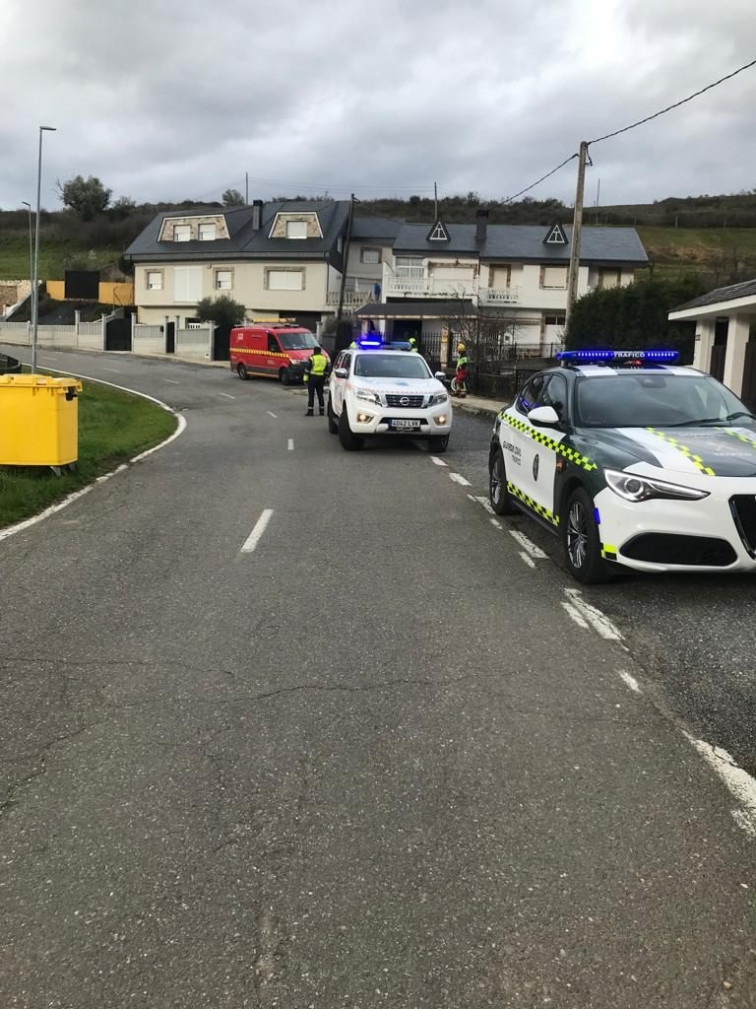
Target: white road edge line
(485, 503)
(227, 395)
(527, 544)
(437, 461)
(180, 428)
(574, 615)
(274, 415)
(741, 785)
(291, 444)
(600, 623)
(254, 537)
(630, 681)
(457, 478)
(528, 560)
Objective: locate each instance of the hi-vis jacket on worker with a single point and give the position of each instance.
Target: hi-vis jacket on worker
(317, 365)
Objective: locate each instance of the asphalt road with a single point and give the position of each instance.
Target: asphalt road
(374, 761)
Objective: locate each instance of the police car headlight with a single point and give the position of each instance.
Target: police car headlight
(368, 396)
(643, 488)
(440, 397)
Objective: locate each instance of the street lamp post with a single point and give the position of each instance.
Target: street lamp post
(35, 271)
(31, 251)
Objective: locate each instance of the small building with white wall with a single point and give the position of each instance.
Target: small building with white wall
(725, 336)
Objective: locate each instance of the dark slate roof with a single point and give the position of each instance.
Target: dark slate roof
(525, 242)
(380, 228)
(415, 309)
(242, 240)
(746, 289)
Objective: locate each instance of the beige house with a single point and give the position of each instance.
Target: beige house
(726, 336)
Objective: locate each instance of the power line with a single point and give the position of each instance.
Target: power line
(539, 181)
(676, 105)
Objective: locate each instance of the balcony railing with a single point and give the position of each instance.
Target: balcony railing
(499, 296)
(352, 299)
(431, 287)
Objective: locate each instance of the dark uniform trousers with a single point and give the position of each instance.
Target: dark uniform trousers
(315, 384)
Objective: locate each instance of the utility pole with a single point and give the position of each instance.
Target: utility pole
(246, 189)
(31, 248)
(577, 227)
(435, 202)
(344, 265)
(35, 271)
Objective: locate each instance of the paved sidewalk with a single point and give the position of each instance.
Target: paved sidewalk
(480, 405)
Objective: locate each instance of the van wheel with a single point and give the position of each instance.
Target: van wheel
(284, 376)
(349, 441)
(241, 371)
(333, 427)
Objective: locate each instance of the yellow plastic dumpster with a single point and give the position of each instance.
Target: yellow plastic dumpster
(39, 420)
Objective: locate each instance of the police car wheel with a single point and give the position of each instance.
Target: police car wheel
(498, 495)
(241, 371)
(284, 376)
(581, 542)
(333, 427)
(349, 441)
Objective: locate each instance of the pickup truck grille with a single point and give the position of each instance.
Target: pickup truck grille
(405, 402)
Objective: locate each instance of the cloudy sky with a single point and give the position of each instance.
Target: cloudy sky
(177, 99)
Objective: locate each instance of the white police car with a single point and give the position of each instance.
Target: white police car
(377, 389)
(632, 461)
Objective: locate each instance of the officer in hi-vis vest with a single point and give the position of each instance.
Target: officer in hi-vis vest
(315, 375)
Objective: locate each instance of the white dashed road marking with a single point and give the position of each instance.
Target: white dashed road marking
(437, 461)
(598, 621)
(630, 681)
(227, 395)
(273, 415)
(496, 522)
(254, 537)
(291, 444)
(528, 545)
(115, 371)
(528, 560)
(171, 381)
(459, 479)
(575, 615)
(741, 785)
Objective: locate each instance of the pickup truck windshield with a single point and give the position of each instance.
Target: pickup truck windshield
(390, 366)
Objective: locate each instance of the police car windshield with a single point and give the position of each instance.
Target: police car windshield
(297, 341)
(390, 366)
(654, 399)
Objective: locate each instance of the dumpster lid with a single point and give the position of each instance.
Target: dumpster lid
(39, 382)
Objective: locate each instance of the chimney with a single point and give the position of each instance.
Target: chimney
(257, 206)
(481, 226)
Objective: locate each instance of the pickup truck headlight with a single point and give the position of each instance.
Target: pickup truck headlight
(368, 396)
(439, 397)
(642, 488)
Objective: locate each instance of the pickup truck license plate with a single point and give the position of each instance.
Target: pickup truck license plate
(406, 425)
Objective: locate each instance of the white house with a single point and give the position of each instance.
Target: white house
(726, 336)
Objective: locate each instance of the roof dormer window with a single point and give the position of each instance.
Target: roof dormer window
(182, 233)
(296, 229)
(207, 232)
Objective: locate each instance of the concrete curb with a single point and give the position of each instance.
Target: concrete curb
(480, 409)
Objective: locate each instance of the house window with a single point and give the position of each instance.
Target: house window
(609, 278)
(500, 277)
(285, 280)
(187, 283)
(224, 280)
(554, 277)
(410, 267)
(370, 256)
(154, 280)
(296, 229)
(207, 232)
(182, 233)
(553, 320)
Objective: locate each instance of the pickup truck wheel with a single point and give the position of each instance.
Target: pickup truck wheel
(241, 371)
(498, 495)
(349, 441)
(333, 427)
(438, 443)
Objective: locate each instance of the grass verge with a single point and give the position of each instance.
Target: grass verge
(113, 427)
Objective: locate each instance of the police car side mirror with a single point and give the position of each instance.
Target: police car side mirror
(341, 373)
(544, 416)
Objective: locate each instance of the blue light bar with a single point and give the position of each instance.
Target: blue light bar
(618, 355)
(369, 344)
